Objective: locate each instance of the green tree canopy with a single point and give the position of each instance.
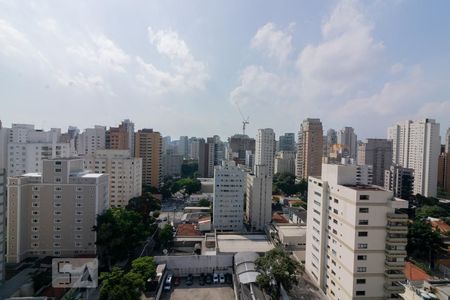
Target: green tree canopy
(285, 183)
(204, 203)
(423, 242)
(119, 232)
(144, 205)
(118, 285)
(165, 235)
(144, 266)
(433, 211)
(277, 268)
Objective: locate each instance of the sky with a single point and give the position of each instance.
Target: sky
(184, 67)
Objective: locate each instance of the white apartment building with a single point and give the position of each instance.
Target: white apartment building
(2, 223)
(355, 243)
(447, 141)
(265, 148)
(125, 174)
(228, 201)
(285, 162)
(258, 210)
(416, 145)
(27, 148)
(52, 214)
(91, 140)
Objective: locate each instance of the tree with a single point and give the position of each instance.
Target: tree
(188, 185)
(118, 285)
(144, 266)
(433, 211)
(119, 232)
(156, 214)
(144, 205)
(165, 235)
(423, 241)
(189, 169)
(277, 269)
(204, 203)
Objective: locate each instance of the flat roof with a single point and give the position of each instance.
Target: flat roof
(233, 243)
(91, 175)
(32, 175)
(363, 187)
(292, 230)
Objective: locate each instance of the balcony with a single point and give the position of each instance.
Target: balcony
(394, 265)
(397, 217)
(395, 253)
(394, 276)
(396, 240)
(394, 288)
(397, 229)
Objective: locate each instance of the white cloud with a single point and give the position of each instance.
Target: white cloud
(187, 73)
(102, 51)
(273, 42)
(347, 55)
(12, 41)
(90, 83)
(396, 68)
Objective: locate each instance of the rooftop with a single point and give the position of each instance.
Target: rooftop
(234, 243)
(363, 187)
(414, 273)
(294, 230)
(441, 225)
(187, 230)
(277, 218)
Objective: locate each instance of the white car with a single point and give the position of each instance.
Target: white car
(168, 283)
(222, 278)
(215, 278)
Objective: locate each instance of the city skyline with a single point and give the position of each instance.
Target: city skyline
(170, 68)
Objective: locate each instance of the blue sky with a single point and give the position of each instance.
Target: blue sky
(180, 67)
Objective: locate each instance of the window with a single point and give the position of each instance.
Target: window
(57, 162)
(364, 210)
(363, 197)
(362, 257)
(361, 269)
(363, 222)
(362, 233)
(56, 244)
(360, 293)
(318, 194)
(35, 204)
(362, 246)
(58, 170)
(360, 281)
(58, 188)
(58, 179)
(336, 200)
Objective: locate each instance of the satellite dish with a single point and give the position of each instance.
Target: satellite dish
(165, 251)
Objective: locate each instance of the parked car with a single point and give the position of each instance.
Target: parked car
(164, 219)
(168, 282)
(222, 278)
(176, 281)
(202, 279)
(216, 278)
(190, 279)
(228, 278)
(208, 278)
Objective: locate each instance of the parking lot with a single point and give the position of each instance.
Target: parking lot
(219, 291)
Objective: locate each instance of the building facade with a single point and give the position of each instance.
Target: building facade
(121, 137)
(355, 242)
(285, 162)
(91, 140)
(148, 146)
(258, 209)
(238, 145)
(125, 174)
(171, 165)
(400, 181)
(444, 171)
(347, 136)
(228, 201)
(2, 223)
(378, 154)
(287, 142)
(416, 145)
(265, 148)
(206, 158)
(52, 214)
(309, 153)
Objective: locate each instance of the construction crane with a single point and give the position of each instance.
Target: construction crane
(245, 121)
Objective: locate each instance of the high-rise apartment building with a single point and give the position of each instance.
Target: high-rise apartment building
(331, 140)
(206, 158)
(378, 154)
(356, 239)
(287, 142)
(347, 136)
(416, 145)
(400, 181)
(228, 201)
(447, 141)
(258, 209)
(91, 140)
(125, 174)
(27, 148)
(2, 223)
(4, 136)
(285, 162)
(238, 145)
(444, 171)
(265, 149)
(52, 214)
(249, 159)
(183, 146)
(171, 165)
(148, 146)
(309, 153)
(122, 137)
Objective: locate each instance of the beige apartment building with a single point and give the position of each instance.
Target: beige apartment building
(310, 149)
(258, 191)
(148, 146)
(52, 214)
(356, 239)
(125, 174)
